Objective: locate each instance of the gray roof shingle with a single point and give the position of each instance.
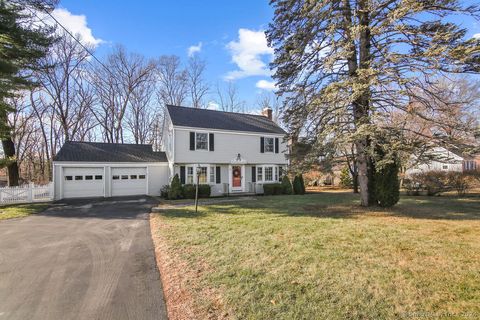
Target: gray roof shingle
(108, 152)
(211, 119)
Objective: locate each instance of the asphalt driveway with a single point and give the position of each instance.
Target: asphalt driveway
(81, 260)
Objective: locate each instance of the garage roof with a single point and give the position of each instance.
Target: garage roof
(108, 152)
(212, 119)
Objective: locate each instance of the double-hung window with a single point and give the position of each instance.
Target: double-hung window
(269, 145)
(189, 175)
(202, 177)
(212, 174)
(201, 141)
(268, 173)
(259, 173)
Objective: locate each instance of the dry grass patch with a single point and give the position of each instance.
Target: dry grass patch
(21, 210)
(322, 256)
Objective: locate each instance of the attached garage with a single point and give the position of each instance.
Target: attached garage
(81, 182)
(129, 181)
(89, 169)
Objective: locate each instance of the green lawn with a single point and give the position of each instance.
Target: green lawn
(321, 256)
(21, 210)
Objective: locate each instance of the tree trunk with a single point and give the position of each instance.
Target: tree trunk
(12, 167)
(355, 181)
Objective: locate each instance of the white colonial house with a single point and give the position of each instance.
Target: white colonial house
(233, 153)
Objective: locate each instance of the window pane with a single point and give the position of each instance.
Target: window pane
(212, 174)
(98, 177)
(268, 174)
(202, 141)
(268, 145)
(115, 177)
(259, 174)
(78, 177)
(124, 177)
(68, 178)
(133, 176)
(141, 176)
(202, 178)
(189, 175)
(88, 177)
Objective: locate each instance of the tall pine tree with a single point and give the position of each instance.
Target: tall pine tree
(23, 41)
(343, 64)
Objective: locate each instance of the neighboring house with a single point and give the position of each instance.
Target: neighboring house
(443, 160)
(234, 153)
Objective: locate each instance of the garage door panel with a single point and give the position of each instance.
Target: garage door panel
(129, 181)
(83, 182)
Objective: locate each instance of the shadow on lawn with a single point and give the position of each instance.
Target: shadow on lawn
(344, 206)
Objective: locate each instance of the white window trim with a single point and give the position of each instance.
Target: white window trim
(208, 141)
(265, 144)
(194, 167)
(275, 170)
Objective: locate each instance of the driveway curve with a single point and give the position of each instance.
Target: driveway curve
(81, 260)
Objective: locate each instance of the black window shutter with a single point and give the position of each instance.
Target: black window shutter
(218, 176)
(276, 145)
(211, 142)
(280, 173)
(182, 174)
(254, 174)
(262, 144)
(192, 140)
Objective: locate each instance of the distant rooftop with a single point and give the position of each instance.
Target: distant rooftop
(221, 120)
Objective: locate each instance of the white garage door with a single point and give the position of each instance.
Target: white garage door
(83, 182)
(129, 181)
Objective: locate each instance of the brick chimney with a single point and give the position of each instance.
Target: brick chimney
(267, 112)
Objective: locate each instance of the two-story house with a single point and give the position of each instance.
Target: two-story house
(232, 152)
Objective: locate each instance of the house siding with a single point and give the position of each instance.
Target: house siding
(227, 147)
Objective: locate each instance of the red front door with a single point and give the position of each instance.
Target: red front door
(236, 176)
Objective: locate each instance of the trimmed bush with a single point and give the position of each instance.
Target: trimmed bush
(175, 191)
(298, 186)
(302, 184)
(190, 189)
(164, 191)
(287, 185)
(271, 189)
(346, 180)
(387, 185)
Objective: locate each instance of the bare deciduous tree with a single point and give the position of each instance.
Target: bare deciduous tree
(172, 81)
(228, 98)
(115, 83)
(197, 86)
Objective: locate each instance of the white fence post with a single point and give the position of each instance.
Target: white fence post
(30, 192)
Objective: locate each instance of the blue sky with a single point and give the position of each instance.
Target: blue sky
(155, 28)
(227, 34)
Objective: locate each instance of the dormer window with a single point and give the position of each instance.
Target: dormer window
(269, 145)
(201, 141)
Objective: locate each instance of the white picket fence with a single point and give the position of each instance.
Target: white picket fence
(26, 193)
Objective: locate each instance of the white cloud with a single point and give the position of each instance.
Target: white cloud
(266, 85)
(194, 49)
(212, 105)
(476, 35)
(76, 24)
(247, 54)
